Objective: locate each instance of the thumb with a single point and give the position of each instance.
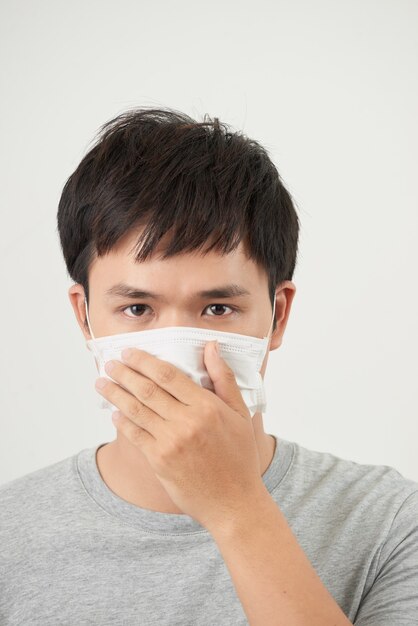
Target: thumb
(223, 379)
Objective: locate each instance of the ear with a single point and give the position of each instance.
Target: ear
(76, 295)
(284, 298)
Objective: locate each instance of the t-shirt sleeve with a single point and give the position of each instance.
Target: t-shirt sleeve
(392, 599)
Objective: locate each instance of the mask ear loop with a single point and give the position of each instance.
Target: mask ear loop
(92, 344)
(88, 319)
(261, 394)
(272, 319)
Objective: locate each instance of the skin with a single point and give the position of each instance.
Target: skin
(184, 449)
(123, 466)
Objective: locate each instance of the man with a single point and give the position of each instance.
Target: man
(194, 515)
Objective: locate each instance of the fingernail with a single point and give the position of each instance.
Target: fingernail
(126, 353)
(100, 383)
(216, 347)
(109, 366)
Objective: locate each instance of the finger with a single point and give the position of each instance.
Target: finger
(165, 374)
(146, 390)
(223, 379)
(131, 407)
(138, 436)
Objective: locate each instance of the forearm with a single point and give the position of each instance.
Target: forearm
(273, 577)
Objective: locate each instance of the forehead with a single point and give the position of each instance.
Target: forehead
(186, 268)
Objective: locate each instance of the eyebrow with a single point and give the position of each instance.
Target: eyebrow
(122, 290)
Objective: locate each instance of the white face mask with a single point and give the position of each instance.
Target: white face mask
(183, 346)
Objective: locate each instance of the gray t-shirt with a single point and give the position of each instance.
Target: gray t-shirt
(73, 552)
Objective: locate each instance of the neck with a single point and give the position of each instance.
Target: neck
(127, 472)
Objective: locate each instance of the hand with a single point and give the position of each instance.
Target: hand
(200, 443)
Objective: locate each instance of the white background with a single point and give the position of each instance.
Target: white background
(331, 90)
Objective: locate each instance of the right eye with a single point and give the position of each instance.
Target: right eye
(141, 308)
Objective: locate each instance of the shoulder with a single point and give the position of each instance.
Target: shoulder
(373, 491)
(32, 498)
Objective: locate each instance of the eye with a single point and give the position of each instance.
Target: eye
(141, 309)
(217, 310)
(218, 306)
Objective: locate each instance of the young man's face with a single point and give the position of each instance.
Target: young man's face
(176, 283)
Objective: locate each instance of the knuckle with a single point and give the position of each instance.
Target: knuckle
(192, 433)
(169, 451)
(148, 390)
(160, 459)
(137, 436)
(134, 409)
(166, 373)
(229, 375)
(207, 409)
(179, 444)
(142, 418)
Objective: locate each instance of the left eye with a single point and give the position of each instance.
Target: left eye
(222, 306)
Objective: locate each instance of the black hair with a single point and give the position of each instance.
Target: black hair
(203, 183)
